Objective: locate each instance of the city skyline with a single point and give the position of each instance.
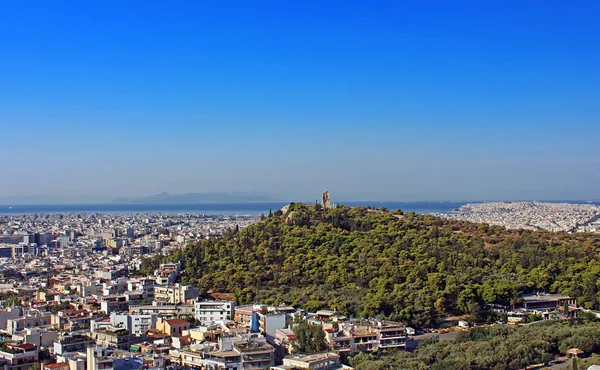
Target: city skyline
(427, 101)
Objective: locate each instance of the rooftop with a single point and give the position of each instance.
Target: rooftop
(57, 365)
(544, 297)
(176, 322)
(317, 357)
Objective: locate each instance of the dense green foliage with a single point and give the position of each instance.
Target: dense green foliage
(150, 264)
(413, 268)
(310, 338)
(492, 348)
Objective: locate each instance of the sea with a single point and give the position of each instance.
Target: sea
(424, 207)
(211, 208)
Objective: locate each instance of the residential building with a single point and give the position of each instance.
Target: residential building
(205, 333)
(318, 361)
(114, 338)
(240, 352)
(136, 324)
(390, 335)
(109, 273)
(209, 310)
(72, 320)
(284, 339)
(243, 314)
(255, 352)
(9, 313)
(100, 358)
(175, 294)
(172, 327)
(56, 366)
(66, 343)
(40, 337)
(19, 356)
(270, 322)
(114, 303)
(167, 273)
(34, 319)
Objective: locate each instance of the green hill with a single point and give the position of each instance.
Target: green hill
(412, 268)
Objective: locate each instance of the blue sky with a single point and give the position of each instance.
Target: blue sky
(398, 100)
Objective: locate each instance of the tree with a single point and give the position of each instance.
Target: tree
(309, 338)
(12, 300)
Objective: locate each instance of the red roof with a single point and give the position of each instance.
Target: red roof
(57, 365)
(26, 346)
(177, 322)
(185, 340)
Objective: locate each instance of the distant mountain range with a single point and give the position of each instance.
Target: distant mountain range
(166, 198)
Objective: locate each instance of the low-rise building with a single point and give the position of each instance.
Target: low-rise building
(172, 327)
(9, 313)
(34, 319)
(71, 343)
(209, 310)
(114, 303)
(210, 333)
(113, 338)
(249, 351)
(136, 324)
(167, 273)
(546, 302)
(19, 356)
(318, 361)
(40, 337)
(72, 320)
(175, 294)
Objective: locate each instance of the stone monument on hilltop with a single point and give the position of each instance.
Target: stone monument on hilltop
(326, 202)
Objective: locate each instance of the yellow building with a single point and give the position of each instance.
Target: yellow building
(172, 327)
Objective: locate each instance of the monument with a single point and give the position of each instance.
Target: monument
(326, 202)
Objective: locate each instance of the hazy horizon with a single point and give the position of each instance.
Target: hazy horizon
(383, 101)
(66, 200)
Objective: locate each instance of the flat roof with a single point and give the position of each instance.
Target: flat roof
(224, 354)
(325, 313)
(313, 358)
(544, 297)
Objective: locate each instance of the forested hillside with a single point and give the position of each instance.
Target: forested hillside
(413, 268)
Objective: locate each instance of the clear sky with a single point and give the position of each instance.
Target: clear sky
(398, 100)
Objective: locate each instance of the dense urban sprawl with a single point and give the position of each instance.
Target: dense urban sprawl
(532, 215)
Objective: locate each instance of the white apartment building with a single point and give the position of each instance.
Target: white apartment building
(174, 294)
(208, 311)
(136, 324)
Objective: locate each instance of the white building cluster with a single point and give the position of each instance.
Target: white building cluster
(532, 215)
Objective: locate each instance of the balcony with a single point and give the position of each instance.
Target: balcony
(257, 358)
(366, 341)
(392, 335)
(341, 347)
(392, 343)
